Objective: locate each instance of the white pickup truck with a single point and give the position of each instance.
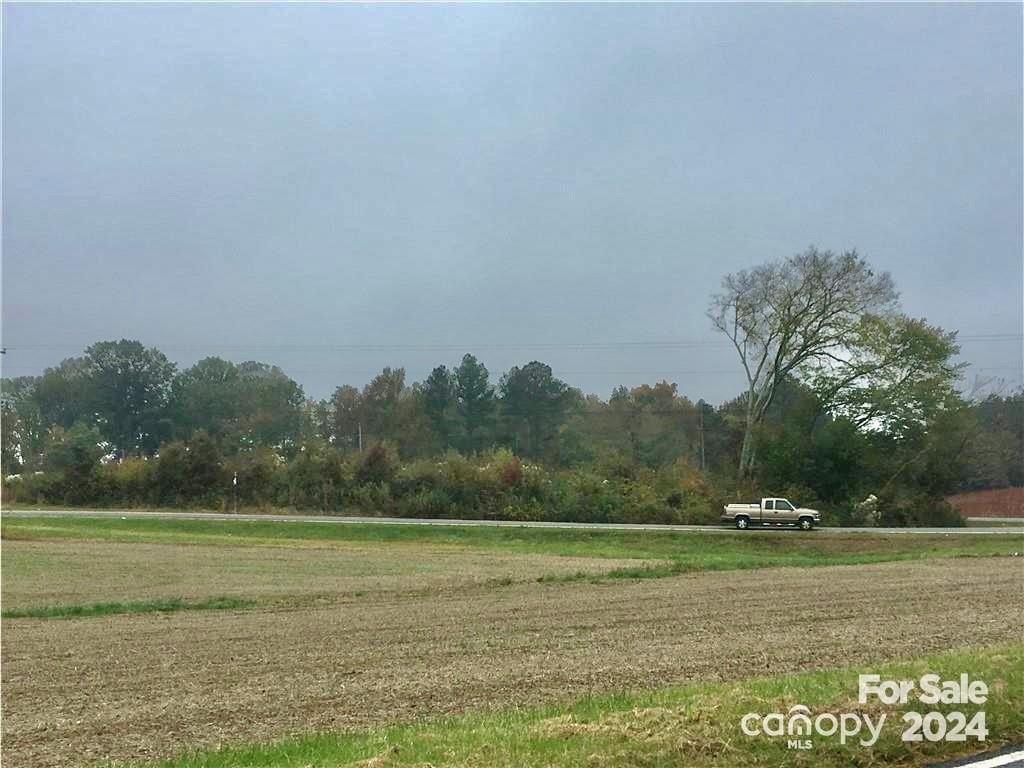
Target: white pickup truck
(770, 512)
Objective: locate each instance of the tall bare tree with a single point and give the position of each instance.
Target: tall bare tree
(793, 314)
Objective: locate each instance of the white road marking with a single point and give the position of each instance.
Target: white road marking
(999, 761)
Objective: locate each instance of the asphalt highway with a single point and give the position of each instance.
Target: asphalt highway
(345, 520)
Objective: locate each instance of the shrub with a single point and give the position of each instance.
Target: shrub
(372, 498)
(617, 465)
(74, 456)
(497, 485)
(641, 504)
(170, 475)
(256, 473)
(128, 482)
(585, 497)
(523, 510)
(205, 482)
(427, 503)
(466, 484)
(417, 476)
(378, 465)
(511, 472)
(33, 488)
(306, 480)
(920, 510)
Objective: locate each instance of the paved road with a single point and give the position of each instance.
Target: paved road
(96, 513)
(1007, 757)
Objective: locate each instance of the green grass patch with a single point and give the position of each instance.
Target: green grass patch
(688, 550)
(657, 571)
(694, 725)
(981, 522)
(168, 605)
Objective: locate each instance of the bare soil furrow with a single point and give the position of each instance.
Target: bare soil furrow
(132, 686)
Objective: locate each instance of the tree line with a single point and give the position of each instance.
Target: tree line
(846, 397)
(135, 400)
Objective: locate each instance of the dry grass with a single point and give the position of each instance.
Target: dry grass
(81, 690)
(44, 573)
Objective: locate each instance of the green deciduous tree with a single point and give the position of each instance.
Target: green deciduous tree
(22, 431)
(65, 394)
(130, 389)
(811, 455)
(207, 396)
(895, 373)
(272, 408)
(651, 425)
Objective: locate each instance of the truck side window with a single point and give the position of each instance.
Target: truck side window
(784, 505)
(770, 504)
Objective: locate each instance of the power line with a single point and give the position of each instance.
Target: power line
(560, 372)
(608, 345)
(398, 347)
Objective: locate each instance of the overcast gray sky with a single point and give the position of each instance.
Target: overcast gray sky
(266, 181)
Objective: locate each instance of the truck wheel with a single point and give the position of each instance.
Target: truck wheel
(742, 523)
(806, 523)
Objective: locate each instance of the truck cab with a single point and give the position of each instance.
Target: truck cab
(771, 511)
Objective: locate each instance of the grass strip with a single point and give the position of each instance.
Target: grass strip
(679, 566)
(696, 726)
(706, 551)
(168, 605)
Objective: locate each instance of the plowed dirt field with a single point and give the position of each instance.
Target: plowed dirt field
(79, 690)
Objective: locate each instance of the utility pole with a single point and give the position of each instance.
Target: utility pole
(360, 425)
(700, 431)
(234, 491)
